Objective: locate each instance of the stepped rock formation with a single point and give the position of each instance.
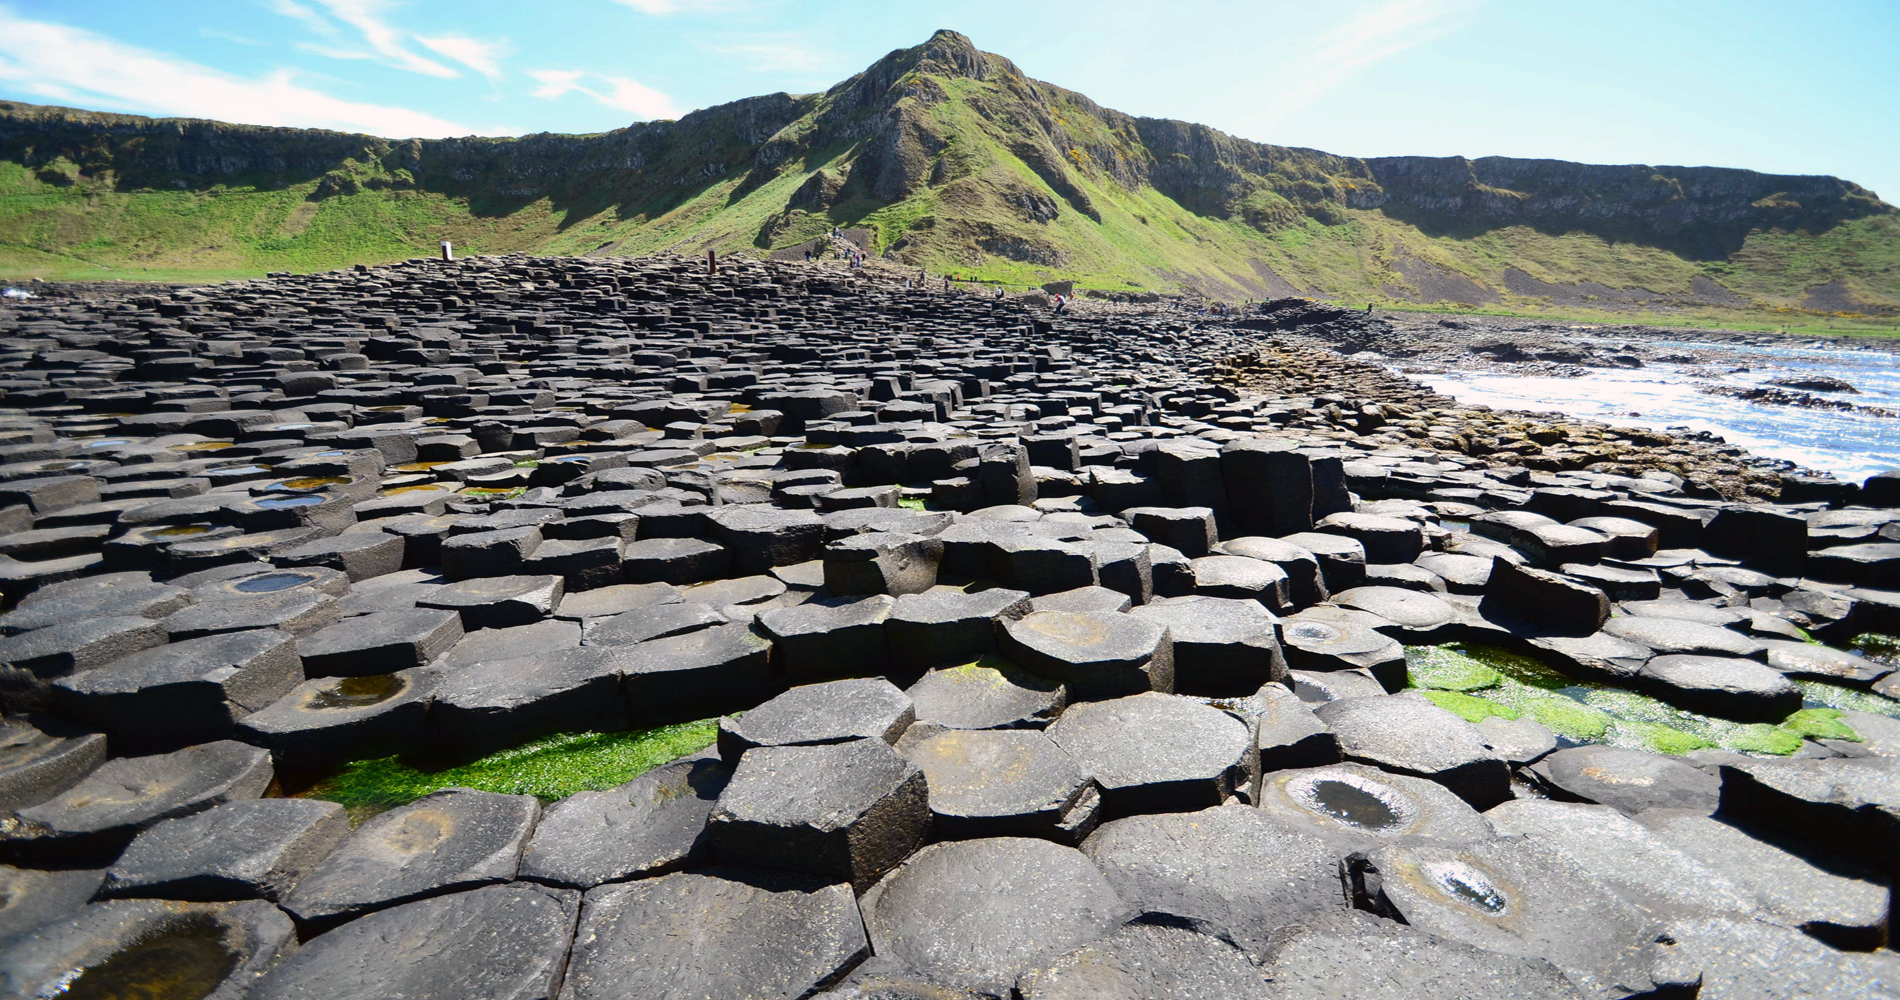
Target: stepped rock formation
(954, 161)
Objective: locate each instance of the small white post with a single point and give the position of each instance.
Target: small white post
(448, 252)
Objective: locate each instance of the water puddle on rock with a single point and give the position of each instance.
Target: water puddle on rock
(285, 503)
(185, 961)
(1351, 804)
(1467, 885)
(271, 583)
(358, 692)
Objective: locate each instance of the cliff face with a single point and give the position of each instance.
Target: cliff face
(1710, 209)
(954, 158)
(129, 152)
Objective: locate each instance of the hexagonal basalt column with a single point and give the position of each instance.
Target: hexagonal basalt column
(1095, 656)
(850, 811)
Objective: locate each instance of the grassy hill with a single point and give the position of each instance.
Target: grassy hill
(956, 162)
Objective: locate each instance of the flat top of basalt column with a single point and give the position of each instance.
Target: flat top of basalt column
(746, 933)
(1234, 869)
(977, 913)
(507, 942)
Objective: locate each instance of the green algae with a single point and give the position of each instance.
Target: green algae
(1563, 716)
(1760, 737)
(1654, 736)
(549, 768)
(1474, 680)
(1468, 707)
(1820, 694)
(1449, 668)
(1821, 724)
(911, 503)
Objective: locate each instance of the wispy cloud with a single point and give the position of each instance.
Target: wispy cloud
(299, 12)
(372, 35)
(482, 57)
(678, 6)
(612, 91)
(772, 53)
(80, 67)
(1385, 30)
(384, 39)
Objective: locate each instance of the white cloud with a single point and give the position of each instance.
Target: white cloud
(311, 19)
(366, 16)
(676, 6)
(384, 42)
(79, 67)
(612, 91)
(1386, 30)
(773, 53)
(482, 57)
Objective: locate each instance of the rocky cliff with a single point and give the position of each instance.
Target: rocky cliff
(955, 160)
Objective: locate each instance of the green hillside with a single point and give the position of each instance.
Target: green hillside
(955, 162)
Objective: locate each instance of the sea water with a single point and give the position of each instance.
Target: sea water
(1664, 395)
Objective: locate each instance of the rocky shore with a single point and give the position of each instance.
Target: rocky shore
(1124, 652)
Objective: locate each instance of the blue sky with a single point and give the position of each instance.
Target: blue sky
(1780, 87)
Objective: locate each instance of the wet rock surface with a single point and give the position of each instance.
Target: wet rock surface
(1013, 627)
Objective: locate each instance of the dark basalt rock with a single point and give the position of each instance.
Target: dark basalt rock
(1147, 960)
(774, 933)
(446, 841)
(1516, 898)
(1000, 783)
(943, 627)
(1630, 780)
(491, 705)
(1641, 869)
(1156, 752)
(1358, 955)
(989, 695)
(1828, 897)
(36, 765)
(252, 849)
(30, 897)
(651, 825)
(380, 643)
(504, 941)
(850, 811)
(1725, 686)
(1093, 655)
(344, 718)
(1222, 646)
(184, 692)
(1233, 871)
(977, 914)
(1755, 958)
(833, 712)
(1851, 807)
(128, 794)
(1412, 736)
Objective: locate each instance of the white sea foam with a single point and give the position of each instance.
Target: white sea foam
(1850, 445)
